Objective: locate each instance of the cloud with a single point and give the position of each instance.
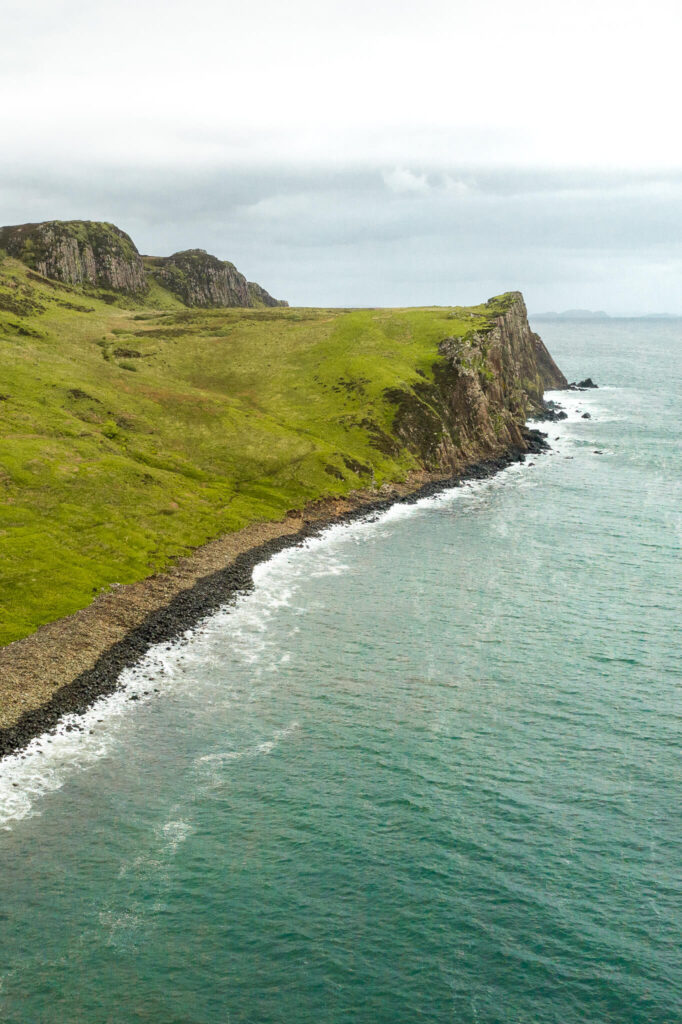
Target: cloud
(401, 180)
(346, 153)
(335, 236)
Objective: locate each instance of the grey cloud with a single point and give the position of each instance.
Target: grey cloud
(349, 236)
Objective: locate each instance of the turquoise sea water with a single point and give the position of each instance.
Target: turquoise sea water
(428, 771)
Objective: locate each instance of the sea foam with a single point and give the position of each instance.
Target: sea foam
(80, 740)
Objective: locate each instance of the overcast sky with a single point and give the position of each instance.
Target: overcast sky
(384, 153)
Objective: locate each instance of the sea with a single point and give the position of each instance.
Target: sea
(427, 770)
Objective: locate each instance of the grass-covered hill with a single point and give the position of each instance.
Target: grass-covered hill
(131, 431)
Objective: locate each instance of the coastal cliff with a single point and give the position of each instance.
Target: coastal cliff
(153, 452)
(484, 386)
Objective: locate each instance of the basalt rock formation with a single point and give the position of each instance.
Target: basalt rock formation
(78, 252)
(259, 297)
(486, 385)
(199, 279)
(81, 252)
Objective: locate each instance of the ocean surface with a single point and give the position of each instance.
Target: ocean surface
(428, 770)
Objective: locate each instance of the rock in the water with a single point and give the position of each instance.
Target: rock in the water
(587, 383)
(586, 416)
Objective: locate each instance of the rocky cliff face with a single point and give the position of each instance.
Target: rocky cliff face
(82, 252)
(78, 252)
(259, 297)
(199, 279)
(485, 386)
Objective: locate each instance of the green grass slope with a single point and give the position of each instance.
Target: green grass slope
(131, 432)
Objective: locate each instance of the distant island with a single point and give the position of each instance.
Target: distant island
(573, 314)
(599, 314)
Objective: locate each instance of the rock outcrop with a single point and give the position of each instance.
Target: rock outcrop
(199, 279)
(259, 297)
(485, 386)
(83, 252)
(78, 252)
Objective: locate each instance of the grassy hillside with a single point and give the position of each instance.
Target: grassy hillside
(133, 431)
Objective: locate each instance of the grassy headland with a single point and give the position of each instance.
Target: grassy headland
(133, 430)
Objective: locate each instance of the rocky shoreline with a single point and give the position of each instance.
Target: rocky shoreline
(119, 641)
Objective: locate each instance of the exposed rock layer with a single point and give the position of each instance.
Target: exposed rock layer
(485, 387)
(199, 279)
(79, 252)
(259, 297)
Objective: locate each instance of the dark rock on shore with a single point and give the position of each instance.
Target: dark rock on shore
(550, 412)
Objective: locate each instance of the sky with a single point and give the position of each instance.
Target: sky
(348, 153)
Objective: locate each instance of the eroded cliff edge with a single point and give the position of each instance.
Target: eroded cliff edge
(485, 386)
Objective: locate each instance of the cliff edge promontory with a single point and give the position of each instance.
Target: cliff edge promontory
(154, 450)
